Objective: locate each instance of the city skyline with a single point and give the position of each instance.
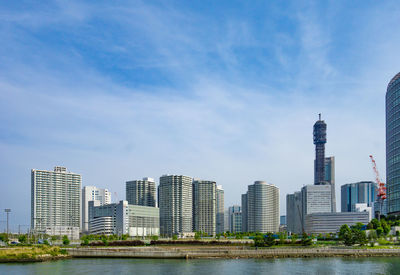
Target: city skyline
(221, 92)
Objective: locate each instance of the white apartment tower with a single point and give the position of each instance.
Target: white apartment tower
(205, 206)
(55, 200)
(92, 193)
(261, 212)
(176, 204)
(220, 210)
(141, 192)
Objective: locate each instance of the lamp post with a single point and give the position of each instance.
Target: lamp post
(7, 212)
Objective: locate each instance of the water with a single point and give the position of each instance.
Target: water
(210, 266)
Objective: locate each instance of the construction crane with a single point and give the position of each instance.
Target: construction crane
(381, 196)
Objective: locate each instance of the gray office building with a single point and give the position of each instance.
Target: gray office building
(330, 179)
(141, 192)
(294, 210)
(244, 213)
(220, 210)
(316, 199)
(358, 192)
(262, 208)
(176, 204)
(205, 206)
(392, 145)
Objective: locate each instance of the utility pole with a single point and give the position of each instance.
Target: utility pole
(7, 212)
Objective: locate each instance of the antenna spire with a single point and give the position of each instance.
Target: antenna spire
(319, 115)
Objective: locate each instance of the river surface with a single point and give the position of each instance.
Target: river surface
(209, 266)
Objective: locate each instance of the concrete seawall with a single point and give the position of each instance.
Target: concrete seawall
(168, 252)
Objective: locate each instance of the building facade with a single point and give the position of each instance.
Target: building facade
(358, 192)
(176, 204)
(205, 206)
(393, 145)
(262, 207)
(316, 199)
(122, 218)
(55, 199)
(244, 213)
(220, 210)
(235, 218)
(322, 223)
(141, 192)
(330, 179)
(294, 208)
(92, 193)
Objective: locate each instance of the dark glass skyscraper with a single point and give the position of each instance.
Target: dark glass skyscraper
(393, 145)
(319, 141)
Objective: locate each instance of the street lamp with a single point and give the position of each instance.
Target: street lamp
(7, 212)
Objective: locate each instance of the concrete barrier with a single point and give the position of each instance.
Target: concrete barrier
(167, 252)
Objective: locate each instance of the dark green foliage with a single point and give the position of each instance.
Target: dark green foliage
(306, 240)
(22, 238)
(259, 241)
(65, 240)
(175, 237)
(269, 239)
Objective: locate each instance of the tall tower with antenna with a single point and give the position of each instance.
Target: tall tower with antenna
(319, 141)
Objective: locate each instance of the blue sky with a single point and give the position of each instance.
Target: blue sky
(220, 90)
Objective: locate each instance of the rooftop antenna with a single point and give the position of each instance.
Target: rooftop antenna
(319, 116)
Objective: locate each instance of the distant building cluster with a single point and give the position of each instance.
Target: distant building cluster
(180, 205)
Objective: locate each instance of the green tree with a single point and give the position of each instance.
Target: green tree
(379, 231)
(359, 236)
(294, 237)
(282, 237)
(22, 238)
(174, 237)
(269, 239)
(154, 238)
(197, 235)
(306, 240)
(259, 241)
(375, 223)
(65, 240)
(385, 227)
(345, 234)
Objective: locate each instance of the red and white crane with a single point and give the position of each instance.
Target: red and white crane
(381, 196)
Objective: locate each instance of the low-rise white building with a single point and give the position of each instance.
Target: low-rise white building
(317, 223)
(123, 218)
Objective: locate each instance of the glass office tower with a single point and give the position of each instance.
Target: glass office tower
(393, 145)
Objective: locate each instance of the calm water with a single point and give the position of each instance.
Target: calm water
(215, 266)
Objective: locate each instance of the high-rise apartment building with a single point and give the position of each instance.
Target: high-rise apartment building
(55, 200)
(141, 192)
(220, 210)
(358, 192)
(262, 208)
(205, 206)
(176, 204)
(235, 218)
(92, 193)
(392, 145)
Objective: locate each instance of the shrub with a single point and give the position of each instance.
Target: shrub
(175, 237)
(66, 240)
